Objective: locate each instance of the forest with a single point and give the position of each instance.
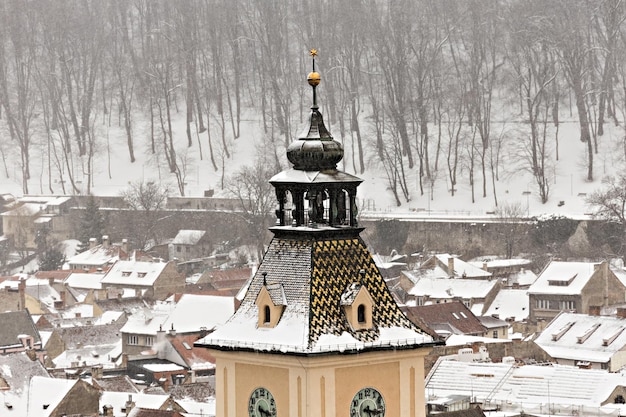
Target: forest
(415, 87)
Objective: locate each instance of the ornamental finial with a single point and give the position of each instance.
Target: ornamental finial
(314, 77)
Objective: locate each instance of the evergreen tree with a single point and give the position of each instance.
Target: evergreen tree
(92, 224)
(52, 259)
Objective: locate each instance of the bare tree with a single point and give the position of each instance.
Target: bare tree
(251, 187)
(146, 200)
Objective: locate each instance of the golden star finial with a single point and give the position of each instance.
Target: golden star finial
(313, 52)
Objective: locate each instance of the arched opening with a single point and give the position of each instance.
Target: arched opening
(267, 315)
(360, 313)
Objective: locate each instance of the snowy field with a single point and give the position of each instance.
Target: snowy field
(113, 172)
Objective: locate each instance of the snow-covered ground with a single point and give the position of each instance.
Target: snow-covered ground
(113, 172)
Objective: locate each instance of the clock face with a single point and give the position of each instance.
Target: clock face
(261, 403)
(368, 402)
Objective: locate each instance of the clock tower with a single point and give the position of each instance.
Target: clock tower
(318, 333)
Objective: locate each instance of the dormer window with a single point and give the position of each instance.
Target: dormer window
(358, 306)
(271, 303)
(125, 273)
(141, 274)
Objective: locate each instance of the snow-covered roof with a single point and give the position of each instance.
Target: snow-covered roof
(523, 278)
(563, 278)
(313, 177)
(118, 401)
(510, 304)
(134, 273)
(529, 385)
(17, 369)
(583, 337)
(193, 312)
(500, 263)
(101, 354)
(44, 394)
(462, 268)
(188, 237)
(98, 256)
(148, 320)
(439, 288)
(467, 340)
(84, 280)
(314, 275)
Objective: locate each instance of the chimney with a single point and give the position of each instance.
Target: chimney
(129, 405)
(51, 281)
(107, 410)
(594, 310)
(96, 372)
(92, 242)
(62, 295)
(485, 267)
(125, 245)
(621, 312)
(21, 288)
(160, 335)
(124, 361)
(172, 330)
(451, 267)
(105, 241)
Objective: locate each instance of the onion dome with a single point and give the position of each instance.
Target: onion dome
(315, 149)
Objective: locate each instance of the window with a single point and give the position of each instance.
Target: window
(566, 305)
(133, 339)
(419, 301)
(149, 340)
(125, 273)
(178, 249)
(267, 315)
(361, 313)
(495, 334)
(141, 274)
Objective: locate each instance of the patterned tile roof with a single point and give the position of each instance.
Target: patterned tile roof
(314, 273)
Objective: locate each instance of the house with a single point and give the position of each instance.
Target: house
(476, 294)
(81, 347)
(501, 268)
(195, 313)
(190, 244)
(529, 389)
(153, 370)
(227, 281)
(444, 265)
(18, 334)
(13, 295)
(146, 412)
(496, 328)
(122, 404)
(33, 213)
(574, 287)
(55, 397)
(16, 371)
(140, 331)
(590, 341)
(510, 305)
(99, 257)
(154, 280)
(446, 319)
